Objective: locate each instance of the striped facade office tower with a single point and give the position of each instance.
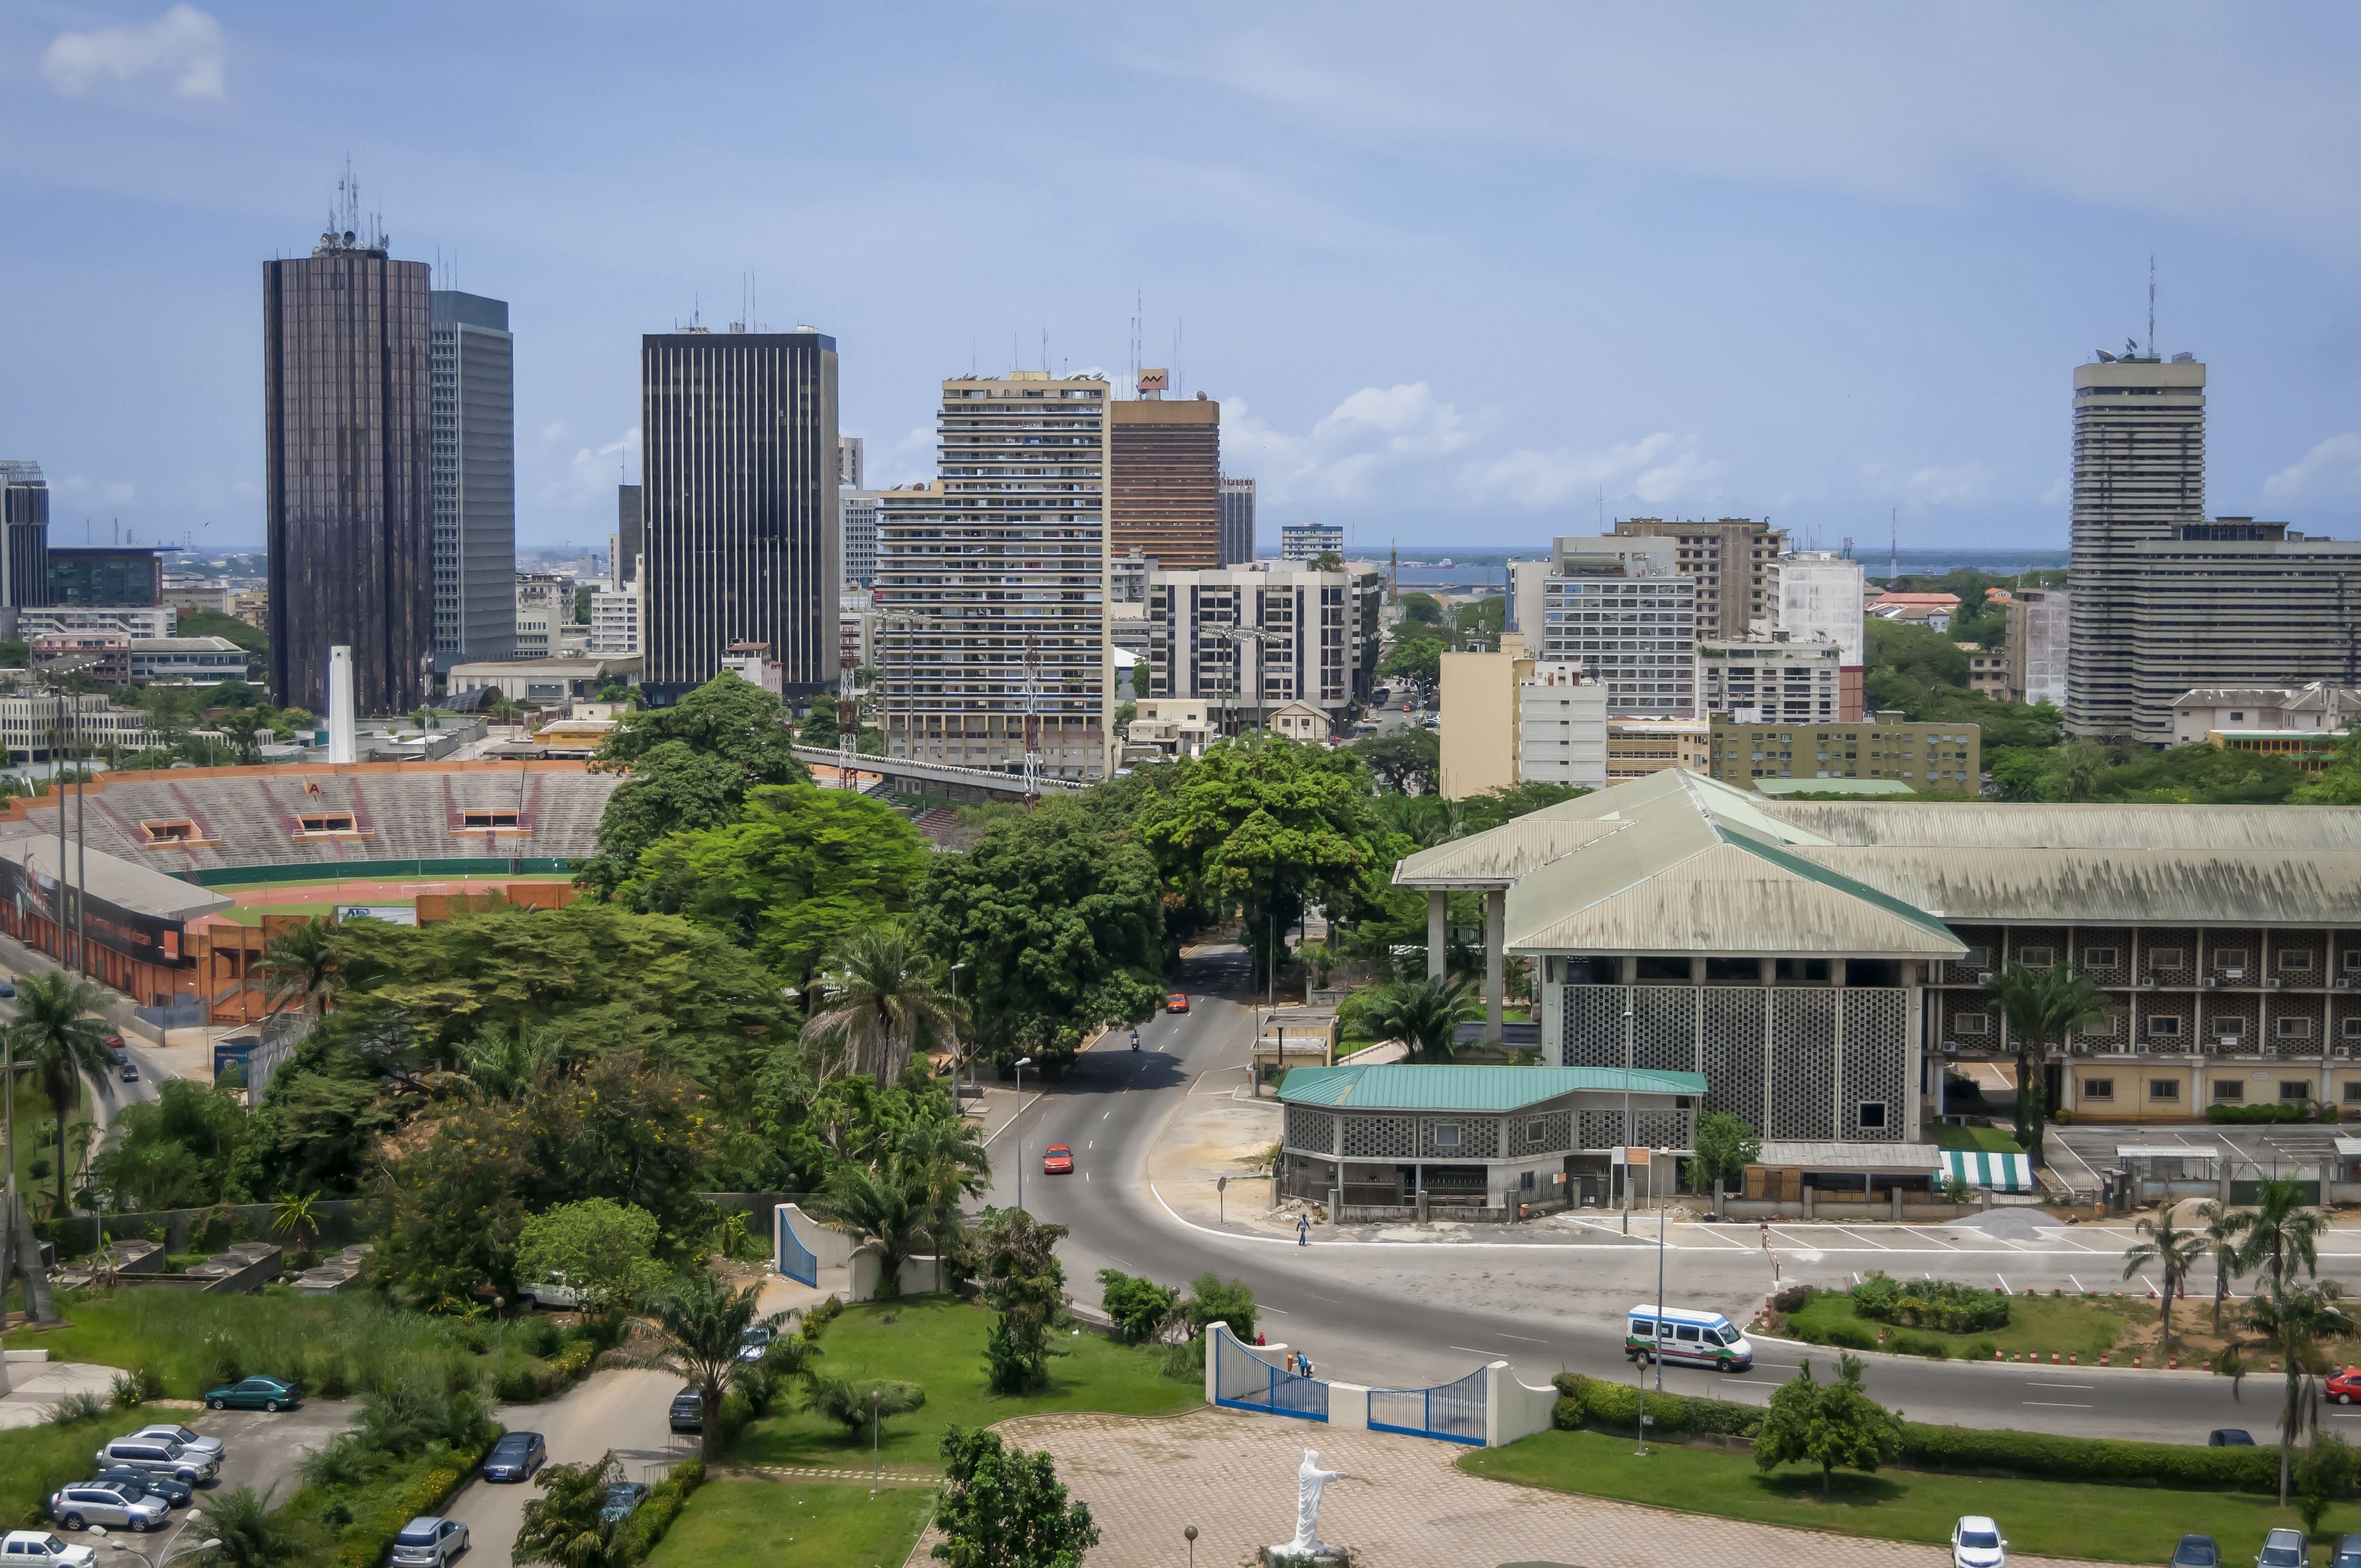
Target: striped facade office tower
(738, 498)
(473, 370)
(347, 425)
(1165, 482)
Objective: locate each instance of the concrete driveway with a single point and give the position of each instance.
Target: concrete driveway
(625, 1411)
(264, 1449)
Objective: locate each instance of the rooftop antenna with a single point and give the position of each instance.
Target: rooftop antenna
(2151, 305)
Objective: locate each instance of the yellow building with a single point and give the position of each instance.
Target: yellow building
(2313, 751)
(1638, 747)
(1944, 757)
(1479, 719)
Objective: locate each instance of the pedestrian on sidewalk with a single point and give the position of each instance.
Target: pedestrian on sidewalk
(1302, 1231)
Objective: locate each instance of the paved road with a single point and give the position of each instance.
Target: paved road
(624, 1411)
(1402, 1314)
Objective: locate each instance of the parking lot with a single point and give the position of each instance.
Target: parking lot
(624, 1411)
(2079, 1153)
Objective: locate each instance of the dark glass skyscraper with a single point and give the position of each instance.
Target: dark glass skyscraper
(24, 534)
(348, 427)
(738, 499)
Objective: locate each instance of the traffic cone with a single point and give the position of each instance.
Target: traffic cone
(2136, 1361)
(1999, 1354)
(2074, 1358)
(2053, 1358)
(2174, 1364)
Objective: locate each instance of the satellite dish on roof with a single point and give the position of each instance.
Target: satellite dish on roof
(2105, 357)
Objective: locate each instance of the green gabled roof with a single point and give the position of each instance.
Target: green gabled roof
(1395, 1086)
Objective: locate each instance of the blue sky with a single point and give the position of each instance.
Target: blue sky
(1469, 275)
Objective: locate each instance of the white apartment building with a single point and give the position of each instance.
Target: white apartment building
(614, 619)
(1310, 540)
(1773, 680)
(1817, 595)
(1617, 608)
(545, 606)
(44, 727)
(1249, 641)
(2041, 645)
(1560, 727)
(97, 620)
(2317, 708)
(857, 515)
(200, 661)
(991, 582)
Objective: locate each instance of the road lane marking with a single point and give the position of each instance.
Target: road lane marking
(2051, 1405)
(1848, 1230)
(2070, 1388)
(1527, 1338)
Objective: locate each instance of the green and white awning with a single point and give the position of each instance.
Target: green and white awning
(2001, 1172)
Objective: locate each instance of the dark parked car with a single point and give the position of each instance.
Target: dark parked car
(2229, 1437)
(515, 1457)
(176, 1493)
(2197, 1552)
(254, 1394)
(688, 1410)
(130, 1073)
(2348, 1554)
(621, 1498)
(6, 989)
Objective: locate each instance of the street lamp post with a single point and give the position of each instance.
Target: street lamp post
(876, 1395)
(1627, 1116)
(1188, 1534)
(99, 1529)
(1022, 1063)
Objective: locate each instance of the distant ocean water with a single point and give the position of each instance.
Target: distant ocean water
(1470, 568)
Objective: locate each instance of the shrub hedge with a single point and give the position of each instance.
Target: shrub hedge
(1611, 1406)
(2285, 1111)
(654, 1515)
(1945, 1305)
(367, 1542)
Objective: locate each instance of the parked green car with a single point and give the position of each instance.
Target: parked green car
(254, 1394)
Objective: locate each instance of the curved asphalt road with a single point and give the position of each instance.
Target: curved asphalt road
(1413, 1313)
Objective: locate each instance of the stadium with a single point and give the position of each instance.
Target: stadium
(177, 880)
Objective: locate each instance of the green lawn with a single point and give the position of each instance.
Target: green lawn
(752, 1523)
(32, 1112)
(2086, 1325)
(1990, 1140)
(2122, 1524)
(936, 1341)
(36, 1461)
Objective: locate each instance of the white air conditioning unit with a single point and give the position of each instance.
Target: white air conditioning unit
(2342, 1053)
(2273, 983)
(2207, 983)
(1985, 978)
(2344, 982)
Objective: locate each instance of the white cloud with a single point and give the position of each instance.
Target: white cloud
(2331, 470)
(1965, 484)
(589, 471)
(88, 491)
(1378, 434)
(2061, 491)
(185, 45)
(1662, 469)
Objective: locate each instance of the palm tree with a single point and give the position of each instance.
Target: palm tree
(502, 1063)
(2042, 1007)
(880, 1205)
(246, 1533)
(1425, 1014)
(2081, 763)
(704, 1323)
(300, 965)
(885, 1003)
(2281, 1233)
(2223, 1227)
(57, 1041)
(562, 1526)
(2297, 1318)
(297, 1218)
(2174, 1250)
(946, 1162)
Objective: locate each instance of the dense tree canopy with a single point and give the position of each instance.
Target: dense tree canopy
(689, 766)
(1060, 922)
(1407, 759)
(798, 868)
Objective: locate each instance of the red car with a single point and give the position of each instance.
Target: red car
(1177, 1003)
(2346, 1385)
(1057, 1160)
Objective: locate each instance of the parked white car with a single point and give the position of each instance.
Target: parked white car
(188, 1438)
(553, 1292)
(40, 1549)
(159, 1456)
(87, 1503)
(1976, 1543)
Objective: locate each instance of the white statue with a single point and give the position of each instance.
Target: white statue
(1309, 1481)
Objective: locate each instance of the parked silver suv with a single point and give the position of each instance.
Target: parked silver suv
(87, 1503)
(161, 1457)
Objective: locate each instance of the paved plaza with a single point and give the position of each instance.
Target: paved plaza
(1232, 1476)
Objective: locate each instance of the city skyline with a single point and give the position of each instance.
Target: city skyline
(1488, 287)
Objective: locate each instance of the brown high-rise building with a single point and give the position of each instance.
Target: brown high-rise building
(1730, 558)
(1165, 482)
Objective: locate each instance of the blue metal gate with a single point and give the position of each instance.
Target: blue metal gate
(797, 1261)
(1451, 1412)
(1245, 1381)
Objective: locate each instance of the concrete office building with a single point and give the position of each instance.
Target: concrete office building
(472, 366)
(1165, 481)
(2039, 645)
(2316, 708)
(1560, 727)
(1310, 540)
(626, 547)
(120, 620)
(542, 616)
(849, 463)
(348, 472)
(1639, 746)
(1817, 595)
(739, 505)
(1616, 607)
(1777, 679)
(1237, 520)
(24, 534)
(107, 574)
(615, 619)
(2166, 600)
(857, 512)
(1945, 757)
(1249, 641)
(1476, 699)
(992, 582)
(1729, 560)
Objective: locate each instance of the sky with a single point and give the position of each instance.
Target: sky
(1470, 275)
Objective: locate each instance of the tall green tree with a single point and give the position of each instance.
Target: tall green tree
(945, 1164)
(702, 1322)
(1423, 1013)
(604, 1249)
(1025, 1286)
(2224, 1238)
(880, 1205)
(1725, 1145)
(2298, 1318)
(1060, 920)
(1407, 759)
(298, 967)
(1262, 827)
(687, 767)
(2043, 1007)
(172, 1152)
(1004, 1508)
(881, 1000)
(57, 1041)
(797, 868)
(2170, 1248)
(562, 1526)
